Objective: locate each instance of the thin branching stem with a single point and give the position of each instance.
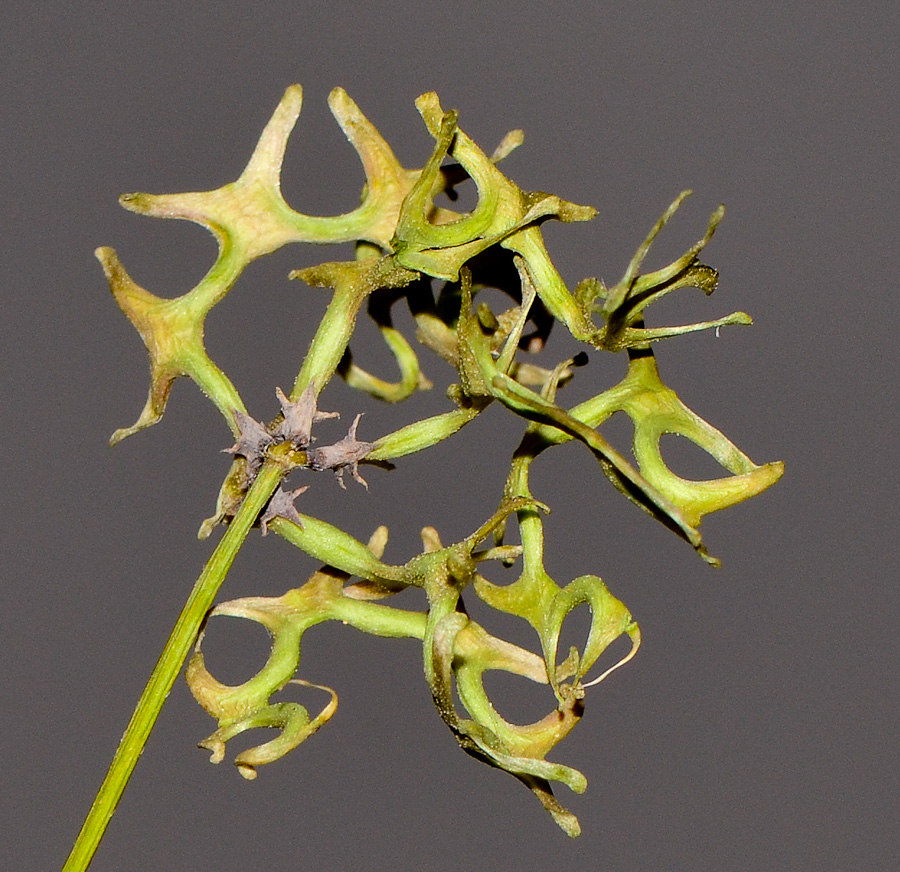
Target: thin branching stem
(167, 668)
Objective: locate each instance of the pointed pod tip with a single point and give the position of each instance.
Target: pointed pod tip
(429, 98)
(777, 469)
(573, 828)
(571, 212)
(246, 770)
(216, 747)
(714, 562)
(508, 144)
(123, 433)
(206, 528)
(108, 258)
(136, 202)
(429, 107)
(292, 101)
(565, 820)
(716, 218)
(338, 99)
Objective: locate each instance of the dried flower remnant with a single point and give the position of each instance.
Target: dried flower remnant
(252, 442)
(299, 417)
(343, 455)
(281, 505)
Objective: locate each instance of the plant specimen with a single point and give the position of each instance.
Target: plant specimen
(434, 260)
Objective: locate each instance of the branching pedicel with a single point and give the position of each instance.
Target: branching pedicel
(434, 260)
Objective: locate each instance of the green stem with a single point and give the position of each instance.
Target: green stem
(167, 668)
(331, 340)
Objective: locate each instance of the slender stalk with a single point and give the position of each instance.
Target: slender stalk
(167, 668)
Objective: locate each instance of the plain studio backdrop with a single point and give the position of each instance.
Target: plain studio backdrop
(758, 726)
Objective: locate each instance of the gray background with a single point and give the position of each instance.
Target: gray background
(757, 728)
